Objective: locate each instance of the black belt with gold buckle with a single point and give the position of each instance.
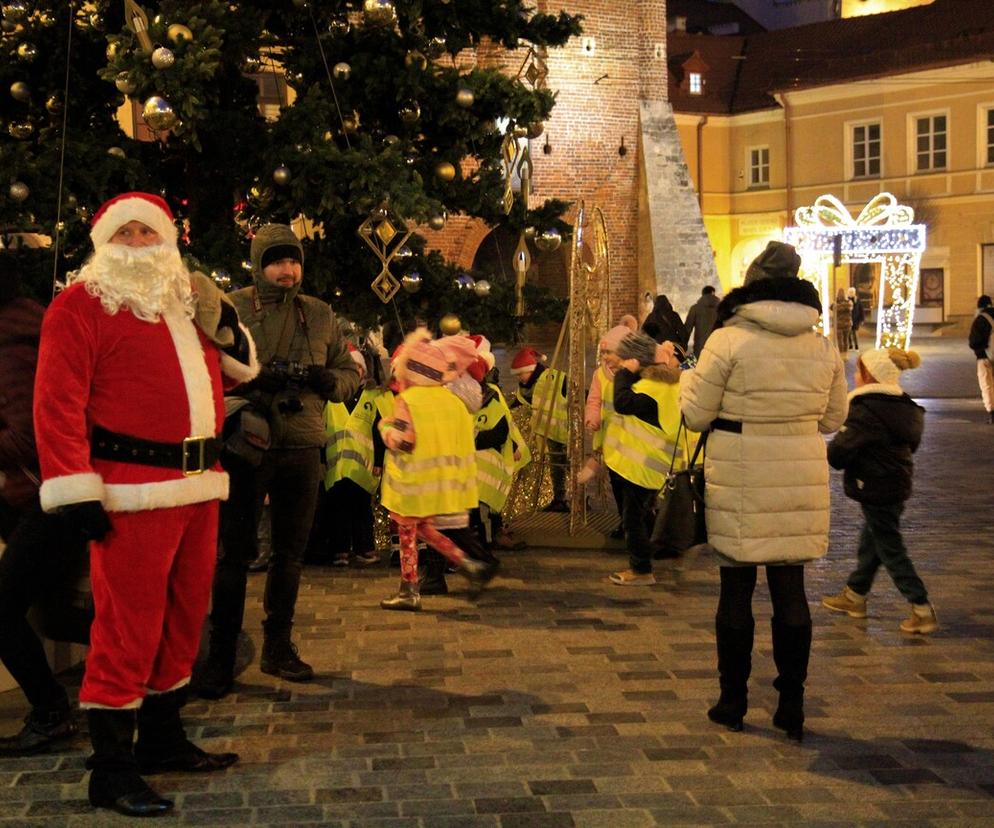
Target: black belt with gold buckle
(194, 455)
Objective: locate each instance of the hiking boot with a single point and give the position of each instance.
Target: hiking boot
(42, 731)
(280, 658)
(478, 573)
(407, 599)
(627, 577)
(922, 620)
(851, 603)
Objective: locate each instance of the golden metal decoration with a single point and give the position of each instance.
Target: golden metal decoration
(382, 236)
(597, 272)
(522, 261)
(177, 32)
(509, 152)
(137, 20)
(535, 67)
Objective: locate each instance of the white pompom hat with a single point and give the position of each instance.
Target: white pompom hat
(879, 364)
(151, 210)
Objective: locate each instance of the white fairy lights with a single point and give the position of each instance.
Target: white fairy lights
(882, 232)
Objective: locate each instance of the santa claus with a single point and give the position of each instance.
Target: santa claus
(134, 358)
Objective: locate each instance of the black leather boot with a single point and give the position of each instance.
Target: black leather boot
(791, 651)
(114, 779)
(280, 658)
(44, 728)
(432, 579)
(215, 678)
(734, 667)
(162, 746)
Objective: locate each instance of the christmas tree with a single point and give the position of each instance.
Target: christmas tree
(389, 112)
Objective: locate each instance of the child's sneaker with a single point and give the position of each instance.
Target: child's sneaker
(629, 578)
(922, 620)
(847, 601)
(367, 558)
(340, 559)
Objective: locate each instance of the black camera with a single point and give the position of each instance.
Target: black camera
(295, 375)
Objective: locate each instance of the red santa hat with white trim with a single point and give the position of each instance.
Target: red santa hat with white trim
(357, 357)
(151, 210)
(526, 360)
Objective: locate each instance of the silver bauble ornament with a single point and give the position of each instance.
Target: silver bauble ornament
(281, 175)
(19, 191)
(482, 288)
(403, 253)
(411, 281)
(60, 226)
(437, 221)
(548, 240)
(20, 130)
(15, 10)
(450, 325)
(465, 282)
(436, 47)
(415, 60)
(124, 83)
(379, 12)
(410, 112)
(465, 97)
(339, 27)
(221, 278)
(27, 52)
(251, 65)
(341, 71)
(177, 33)
(163, 58)
(20, 91)
(529, 232)
(159, 114)
(116, 152)
(390, 140)
(71, 201)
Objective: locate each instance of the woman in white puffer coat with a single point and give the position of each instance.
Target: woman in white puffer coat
(768, 386)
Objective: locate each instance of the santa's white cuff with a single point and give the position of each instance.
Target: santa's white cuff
(71, 488)
(241, 371)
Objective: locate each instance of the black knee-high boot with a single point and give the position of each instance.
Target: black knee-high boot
(114, 779)
(734, 667)
(791, 651)
(432, 576)
(162, 746)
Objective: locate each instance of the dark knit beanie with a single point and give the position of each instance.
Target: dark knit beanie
(272, 243)
(777, 260)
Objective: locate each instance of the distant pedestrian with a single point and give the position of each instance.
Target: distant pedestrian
(701, 318)
(664, 324)
(842, 320)
(980, 344)
(874, 447)
(858, 315)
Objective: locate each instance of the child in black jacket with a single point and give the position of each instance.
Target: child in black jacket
(874, 447)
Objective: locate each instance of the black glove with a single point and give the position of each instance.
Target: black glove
(229, 319)
(322, 380)
(88, 519)
(269, 380)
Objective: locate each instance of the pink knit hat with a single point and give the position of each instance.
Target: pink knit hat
(149, 209)
(612, 339)
(423, 363)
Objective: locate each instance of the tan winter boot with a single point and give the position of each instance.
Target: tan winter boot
(851, 603)
(922, 620)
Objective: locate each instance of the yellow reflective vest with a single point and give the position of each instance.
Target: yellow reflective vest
(607, 406)
(548, 394)
(495, 467)
(349, 451)
(641, 453)
(439, 476)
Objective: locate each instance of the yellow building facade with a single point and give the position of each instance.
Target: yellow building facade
(927, 137)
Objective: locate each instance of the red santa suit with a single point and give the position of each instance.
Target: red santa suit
(158, 381)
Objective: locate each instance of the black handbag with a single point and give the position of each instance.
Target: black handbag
(246, 431)
(680, 522)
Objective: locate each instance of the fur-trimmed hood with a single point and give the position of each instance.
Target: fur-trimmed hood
(783, 305)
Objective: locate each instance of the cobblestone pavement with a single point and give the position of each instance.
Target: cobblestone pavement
(561, 700)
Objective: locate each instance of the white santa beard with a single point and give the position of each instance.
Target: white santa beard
(145, 280)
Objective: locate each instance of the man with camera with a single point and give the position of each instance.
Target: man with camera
(305, 364)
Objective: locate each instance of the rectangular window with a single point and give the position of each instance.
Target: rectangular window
(759, 167)
(866, 151)
(930, 143)
(990, 136)
(696, 83)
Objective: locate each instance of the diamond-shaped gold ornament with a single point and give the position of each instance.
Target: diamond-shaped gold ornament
(386, 231)
(385, 286)
(380, 228)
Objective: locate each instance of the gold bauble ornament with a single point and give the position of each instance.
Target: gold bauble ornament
(281, 175)
(19, 191)
(60, 226)
(15, 10)
(163, 58)
(411, 281)
(21, 130)
(436, 47)
(520, 131)
(339, 27)
(341, 71)
(177, 33)
(445, 171)
(379, 12)
(410, 112)
(535, 129)
(159, 114)
(465, 97)
(53, 105)
(20, 91)
(390, 140)
(350, 123)
(450, 325)
(548, 240)
(71, 201)
(482, 288)
(27, 52)
(112, 50)
(529, 232)
(437, 221)
(116, 152)
(124, 83)
(251, 65)
(415, 60)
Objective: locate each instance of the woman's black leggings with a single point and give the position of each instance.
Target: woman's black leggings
(790, 604)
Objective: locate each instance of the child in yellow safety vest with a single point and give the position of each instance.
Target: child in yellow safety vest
(543, 389)
(430, 468)
(640, 442)
(354, 456)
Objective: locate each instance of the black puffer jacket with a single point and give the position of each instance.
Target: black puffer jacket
(875, 444)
